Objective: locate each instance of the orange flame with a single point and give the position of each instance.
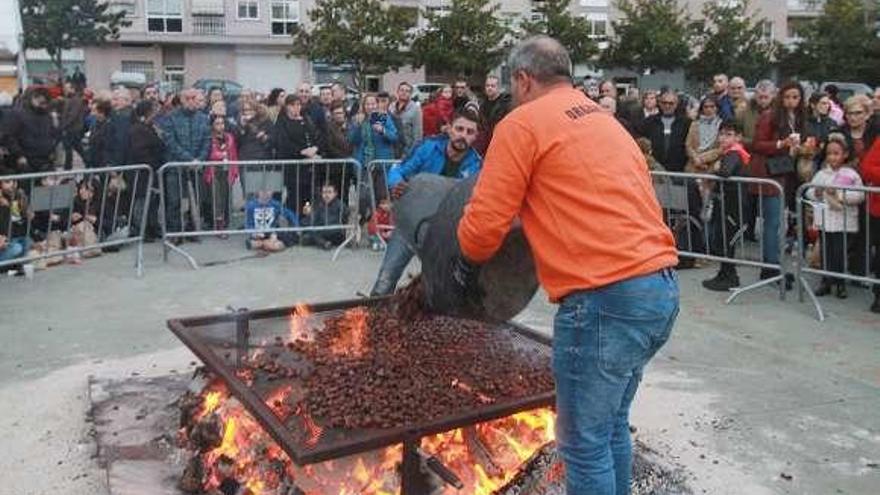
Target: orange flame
(299, 323)
(209, 405)
(507, 442)
(352, 340)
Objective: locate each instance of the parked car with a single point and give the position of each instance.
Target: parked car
(231, 89)
(423, 91)
(847, 89)
(130, 80)
(350, 93)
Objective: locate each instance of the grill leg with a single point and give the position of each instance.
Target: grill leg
(242, 335)
(412, 481)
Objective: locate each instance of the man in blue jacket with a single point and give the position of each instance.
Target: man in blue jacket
(450, 155)
(187, 135)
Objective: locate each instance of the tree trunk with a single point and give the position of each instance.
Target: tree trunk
(59, 66)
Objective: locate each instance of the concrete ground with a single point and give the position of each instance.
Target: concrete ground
(752, 398)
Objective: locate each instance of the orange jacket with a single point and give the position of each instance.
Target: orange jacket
(582, 190)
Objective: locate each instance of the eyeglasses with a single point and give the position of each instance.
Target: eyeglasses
(856, 112)
(667, 103)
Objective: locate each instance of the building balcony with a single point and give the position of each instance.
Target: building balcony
(208, 25)
(804, 8)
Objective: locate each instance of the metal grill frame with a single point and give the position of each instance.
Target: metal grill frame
(360, 440)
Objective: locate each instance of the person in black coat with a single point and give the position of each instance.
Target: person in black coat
(119, 128)
(30, 135)
(295, 138)
(97, 152)
(667, 131)
(254, 133)
(146, 147)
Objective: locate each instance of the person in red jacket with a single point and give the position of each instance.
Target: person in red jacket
(437, 114)
(778, 134)
(870, 169)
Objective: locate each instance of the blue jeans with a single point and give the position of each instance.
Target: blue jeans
(602, 339)
(16, 247)
(397, 256)
(771, 209)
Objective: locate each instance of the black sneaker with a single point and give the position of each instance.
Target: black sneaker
(841, 291)
(875, 308)
(721, 283)
(823, 290)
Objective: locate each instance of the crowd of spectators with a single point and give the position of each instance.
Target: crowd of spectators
(76, 128)
(780, 133)
(783, 135)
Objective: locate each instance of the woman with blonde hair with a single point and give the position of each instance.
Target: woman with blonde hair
(858, 130)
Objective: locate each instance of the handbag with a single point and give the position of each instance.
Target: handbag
(780, 165)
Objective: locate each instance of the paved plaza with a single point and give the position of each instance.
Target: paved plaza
(751, 398)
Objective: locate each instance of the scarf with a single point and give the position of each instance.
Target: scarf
(708, 131)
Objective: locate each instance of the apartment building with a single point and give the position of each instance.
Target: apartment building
(181, 41)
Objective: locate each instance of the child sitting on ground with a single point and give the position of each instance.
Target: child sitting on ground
(263, 213)
(13, 222)
(48, 226)
(836, 211)
(381, 225)
(84, 219)
(725, 205)
(330, 212)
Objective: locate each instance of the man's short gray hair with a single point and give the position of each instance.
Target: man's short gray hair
(541, 57)
(765, 86)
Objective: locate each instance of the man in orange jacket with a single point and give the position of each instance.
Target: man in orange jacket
(580, 186)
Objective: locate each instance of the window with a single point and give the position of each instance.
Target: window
(284, 17)
(594, 3)
(126, 6)
(210, 25)
(173, 75)
(767, 29)
(164, 16)
(140, 67)
(797, 26)
(598, 26)
(248, 10)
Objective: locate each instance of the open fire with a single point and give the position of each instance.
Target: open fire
(350, 397)
(241, 458)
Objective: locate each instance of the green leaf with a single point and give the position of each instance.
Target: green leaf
(58, 25)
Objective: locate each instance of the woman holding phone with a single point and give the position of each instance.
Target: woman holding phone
(373, 137)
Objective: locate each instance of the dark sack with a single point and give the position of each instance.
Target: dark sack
(505, 284)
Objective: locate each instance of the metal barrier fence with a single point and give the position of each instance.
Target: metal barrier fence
(198, 200)
(843, 234)
(52, 217)
(706, 213)
(377, 180)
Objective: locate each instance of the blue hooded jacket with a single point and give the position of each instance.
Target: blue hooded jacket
(430, 157)
(383, 144)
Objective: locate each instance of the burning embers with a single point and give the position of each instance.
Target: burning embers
(350, 380)
(233, 455)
